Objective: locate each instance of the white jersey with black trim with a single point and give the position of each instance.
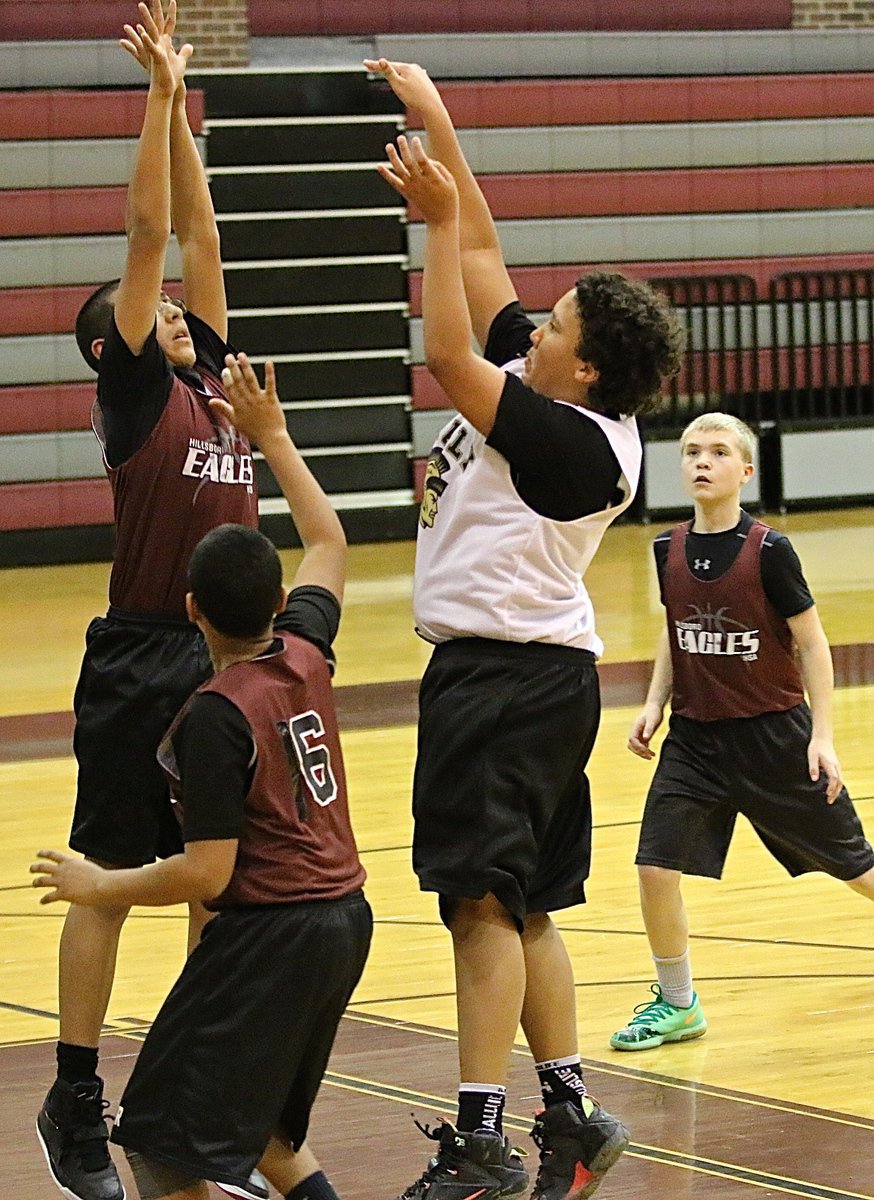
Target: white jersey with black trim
(487, 565)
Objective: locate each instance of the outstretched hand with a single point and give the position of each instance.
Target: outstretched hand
(423, 181)
(151, 43)
(254, 410)
(72, 879)
(410, 83)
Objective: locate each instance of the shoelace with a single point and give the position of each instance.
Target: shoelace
(93, 1152)
(430, 1174)
(651, 1010)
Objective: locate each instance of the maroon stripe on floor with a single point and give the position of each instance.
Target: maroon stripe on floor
(388, 705)
(687, 1140)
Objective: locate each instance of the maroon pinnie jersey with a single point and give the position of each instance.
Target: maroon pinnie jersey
(193, 472)
(732, 653)
(296, 842)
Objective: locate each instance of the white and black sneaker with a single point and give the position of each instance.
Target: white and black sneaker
(72, 1132)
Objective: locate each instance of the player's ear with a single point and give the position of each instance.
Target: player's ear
(749, 472)
(194, 613)
(97, 347)
(282, 600)
(586, 373)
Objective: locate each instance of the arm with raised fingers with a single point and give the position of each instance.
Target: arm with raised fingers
(487, 284)
(257, 413)
(147, 218)
(473, 385)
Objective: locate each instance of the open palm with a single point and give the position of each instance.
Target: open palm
(151, 44)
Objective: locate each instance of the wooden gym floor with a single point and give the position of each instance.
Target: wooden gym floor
(776, 1100)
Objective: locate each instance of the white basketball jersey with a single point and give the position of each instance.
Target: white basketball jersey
(487, 565)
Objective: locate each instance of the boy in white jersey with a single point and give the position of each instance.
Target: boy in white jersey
(742, 642)
(520, 489)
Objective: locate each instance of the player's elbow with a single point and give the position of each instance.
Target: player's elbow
(202, 244)
(146, 232)
(206, 885)
(208, 869)
(442, 362)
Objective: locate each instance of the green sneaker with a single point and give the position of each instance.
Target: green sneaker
(657, 1021)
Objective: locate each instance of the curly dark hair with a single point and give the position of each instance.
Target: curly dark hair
(632, 336)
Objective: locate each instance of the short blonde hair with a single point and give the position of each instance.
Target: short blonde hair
(712, 421)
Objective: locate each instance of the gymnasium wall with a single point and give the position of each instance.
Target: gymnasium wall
(721, 154)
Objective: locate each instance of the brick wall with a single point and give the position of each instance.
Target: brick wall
(833, 14)
(218, 30)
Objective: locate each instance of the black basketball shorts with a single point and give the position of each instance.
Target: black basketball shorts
(136, 674)
(709, 771)
(500, 796)
(241, 1044)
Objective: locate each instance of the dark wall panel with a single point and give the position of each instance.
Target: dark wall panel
(326, 284)
(347, 376)
(241, 145)
(311, 237)
(278, 191)
(309, 332)
(347, 473)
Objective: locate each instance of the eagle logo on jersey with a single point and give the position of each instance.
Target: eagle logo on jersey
(711, 632)
(435, 485)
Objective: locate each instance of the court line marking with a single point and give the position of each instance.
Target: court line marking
(640, 1150)
(636, 1073)
(672, 1158)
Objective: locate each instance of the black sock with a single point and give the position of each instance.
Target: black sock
(314, 1187)
(561, 1079)
(76, 1064)
(481, 1106)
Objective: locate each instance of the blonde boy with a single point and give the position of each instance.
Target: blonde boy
(742, 644)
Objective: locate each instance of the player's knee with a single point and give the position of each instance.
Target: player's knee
(658, 881)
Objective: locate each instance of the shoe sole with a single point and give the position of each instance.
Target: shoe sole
(607, 1157)
(659, 1039)
(60, 1186)
(243, 1193)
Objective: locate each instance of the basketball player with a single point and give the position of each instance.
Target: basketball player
(177, 469)
(743, 642)
(229, 1070)
(543, 455)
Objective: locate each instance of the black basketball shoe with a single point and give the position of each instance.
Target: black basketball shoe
(73, 1135)
(577, 1148)
(469, 1166)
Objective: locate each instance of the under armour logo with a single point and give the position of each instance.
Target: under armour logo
(702, 564)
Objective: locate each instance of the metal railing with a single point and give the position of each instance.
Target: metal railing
(822, 344)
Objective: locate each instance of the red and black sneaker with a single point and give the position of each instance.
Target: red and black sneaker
(469, 1166)
(578, 1145)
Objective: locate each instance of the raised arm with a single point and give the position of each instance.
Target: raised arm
(487, 284)
(147, 218)
(192, 212)
(195, 224)
(473, 385)
(256, 412)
